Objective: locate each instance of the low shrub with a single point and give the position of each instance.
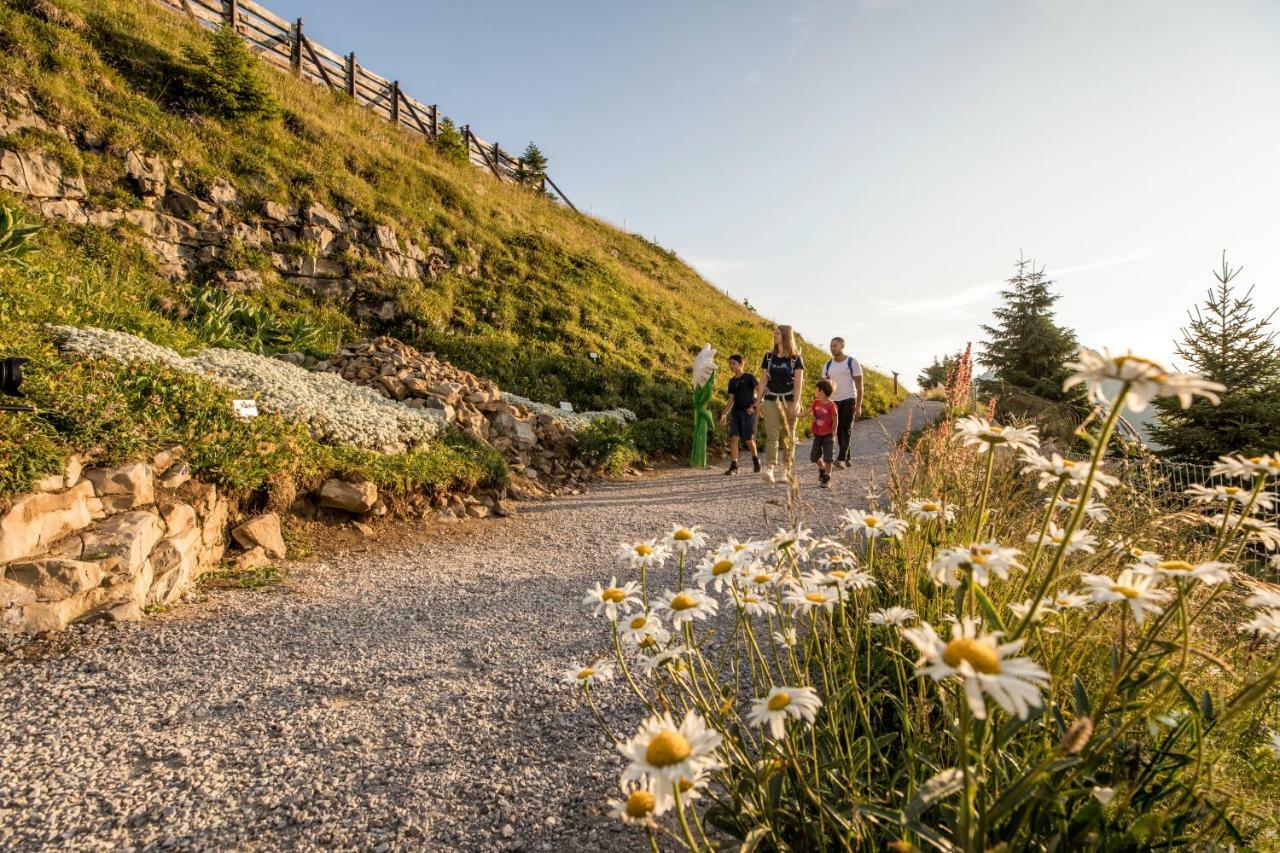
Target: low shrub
(606, 442)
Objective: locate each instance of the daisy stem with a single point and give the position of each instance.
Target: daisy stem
(680, 571)
(626, 671)
(684, 821)
(653, 842)
(1044, 529)
(595, 712)
(966, 813)
(986, 489)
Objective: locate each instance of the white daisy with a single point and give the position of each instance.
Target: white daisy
(646, 554)
(668, 657)
(987, 436)
(666, 752)
(1211, 573)
(1147, 380)
(757, 605)
(787, 637)
(1138, 589)
(806, 598)
(600, 672)
(1265, 623)
(892, 616)
(792, 543)
(613, 599)
(1081, 540)
(682, 539)
(1247, 467)
(1231, 494)
(760, 576)
(926, 509)
(800, 703)
(873, 524)
(1020, 609)
(983, 664)
(1069, 600)
(1261, 596)
(687, 605)
(844, 579)
(717, 569)
(643, 630)
(1093, 510)
(642, 803)
(982, 559)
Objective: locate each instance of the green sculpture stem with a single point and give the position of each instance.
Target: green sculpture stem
(702, 421)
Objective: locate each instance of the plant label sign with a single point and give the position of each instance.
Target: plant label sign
(566, 407)
(245, 408)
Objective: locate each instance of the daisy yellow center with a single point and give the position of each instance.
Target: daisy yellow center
(643, 550)
(762, 578)
(838, 574)
(638, 622)
(870, 521)
(584, 674)
(979, 559)
(1257, 460)
(1067, 463)
(982, 657)
(667, 748)
(683, 601)
(682, 535)
(686, 784)
(1121, 360)
(739, 547)
(816, 597)
(779, 701)
(640, 804)
(613, 595)
(995, 430)
(785, 545)
(721, 566)
(929, 506)
(1126, 591)
(1175, 566)
(648, 642)
(1231, 490)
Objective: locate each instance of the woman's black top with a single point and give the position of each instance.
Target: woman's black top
(781, 372)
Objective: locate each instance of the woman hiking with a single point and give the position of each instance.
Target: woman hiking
(778, 399)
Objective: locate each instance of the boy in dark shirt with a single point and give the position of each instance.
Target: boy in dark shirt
(741, 408)
(824, 414)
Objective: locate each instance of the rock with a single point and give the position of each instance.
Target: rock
(56, 578)
(503, 508)
(125, 487)
(318, 214)
(477, 511)
(129, 537)
(73, 471)
(262, 531)
(175, 563)
(36, 521)
(163, 460)
(273, 211)
(254, 558)
(222, 192)
(64, 208)
(364, 529)
(51, 483)
(13, 595)
(239, 281)
(146, 172)
(177, 475)
(352, 497)
(129, 611)
(182, 205)
(384, 237)
(33, 173)
(178, 519)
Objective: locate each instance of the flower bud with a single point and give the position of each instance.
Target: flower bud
(1077, 737)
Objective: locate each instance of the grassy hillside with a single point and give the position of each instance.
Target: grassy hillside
(543, 288)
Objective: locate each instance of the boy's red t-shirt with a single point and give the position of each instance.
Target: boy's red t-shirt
(824, 417)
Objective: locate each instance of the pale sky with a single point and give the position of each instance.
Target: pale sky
(873, 168)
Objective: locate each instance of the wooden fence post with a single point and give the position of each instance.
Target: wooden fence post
(395, 102)
(295, 54)
(895, 383)
(466, 139)
(351, 74)
(233, 14)
(435, 124)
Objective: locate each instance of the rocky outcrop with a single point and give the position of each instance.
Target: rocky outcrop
(40, 176)
(356, 498)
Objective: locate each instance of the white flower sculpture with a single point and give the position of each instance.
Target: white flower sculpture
(704, 365)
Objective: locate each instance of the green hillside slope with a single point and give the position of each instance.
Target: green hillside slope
(532, 287)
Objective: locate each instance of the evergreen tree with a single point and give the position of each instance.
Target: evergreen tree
(1026, 350)
(1229, 341)
(935, 374)
(450, 143)
(533, 167)
(222, 80)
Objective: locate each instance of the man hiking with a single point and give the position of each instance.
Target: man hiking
(845, 375)
(741, 407)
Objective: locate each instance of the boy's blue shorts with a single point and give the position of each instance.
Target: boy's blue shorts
(742, 424)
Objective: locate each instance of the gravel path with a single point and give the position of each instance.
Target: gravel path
(400, 697)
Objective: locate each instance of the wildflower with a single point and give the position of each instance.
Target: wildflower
(1146, 379)
(761, 576)
(837, 556)
(987, 436)
(925, 509)
(786, 638)
(1103, 795)
(873, 524)
(792, 543)
(1274, 745)
(1022, 608)
(613, 599)
(644, 630)
(1231, 494)
(668, 657)
(891, 616)
(756, 605)
(646, 554)
(717, 569)
(1247, 467)
(807, 598)
(1211, 573)
(682, 540)
(687, 605)
(981, 559)
(1053, 469)
(1069, 600)
(1080, 540)
(1263, 597)
(1149, 558)
(843, 580)
(1265, 623)
(802, 703)
(1093, 510)
(642, 803)
(588, 676)
(1138, 589)
(984, 665)
(666, 752)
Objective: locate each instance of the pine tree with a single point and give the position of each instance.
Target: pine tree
(223, 80)
(1228, 341)
(450, 143)
(935, 374)
(1026, 350)
(533, 166)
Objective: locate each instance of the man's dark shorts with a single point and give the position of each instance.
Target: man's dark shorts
(822, 448)
(742, 424)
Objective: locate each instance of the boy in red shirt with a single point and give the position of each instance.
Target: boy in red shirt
(824, 414)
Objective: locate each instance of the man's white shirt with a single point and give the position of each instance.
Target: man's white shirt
(841, 374)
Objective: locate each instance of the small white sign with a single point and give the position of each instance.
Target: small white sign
(566, 407)
(245, 408)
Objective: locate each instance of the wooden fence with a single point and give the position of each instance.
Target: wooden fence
(285, 45)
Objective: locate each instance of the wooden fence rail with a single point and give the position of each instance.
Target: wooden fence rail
(285, 45)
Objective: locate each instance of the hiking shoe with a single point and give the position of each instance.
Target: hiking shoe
(755, 460)
(767, 476)
(733, 469)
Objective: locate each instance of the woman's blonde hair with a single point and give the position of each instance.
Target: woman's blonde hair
(788, 348)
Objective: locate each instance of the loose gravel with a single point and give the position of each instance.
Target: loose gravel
(404, 697)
